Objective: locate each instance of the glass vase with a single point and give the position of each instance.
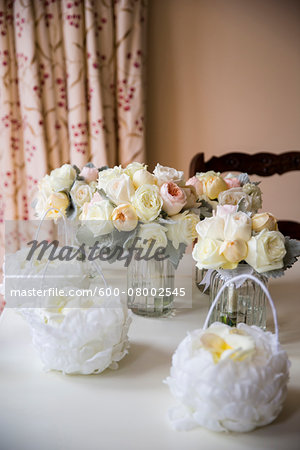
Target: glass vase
(243, 303)
(200, 274)
(150, 286)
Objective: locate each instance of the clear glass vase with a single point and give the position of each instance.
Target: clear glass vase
(200, 274)
(150, 286)
(243, 303)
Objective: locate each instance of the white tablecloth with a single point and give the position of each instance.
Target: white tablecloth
(127, 408)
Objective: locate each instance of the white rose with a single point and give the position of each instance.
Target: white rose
(211, 227)
(62, 178)
(141, 177)
(107, 175)
(131, 168)
(165, 174)
(184, 230)
(237, 226)
(266, 251)
(97, 216)
(207, 254)
(147, 202)
(120, 190)
(81, 193)
(153, 233)
(233, 196)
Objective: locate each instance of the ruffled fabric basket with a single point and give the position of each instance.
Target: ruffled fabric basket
(81, 340)
(228, 379)
(74, 335)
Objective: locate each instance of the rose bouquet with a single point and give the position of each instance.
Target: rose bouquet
(234, 241)
(116, 204)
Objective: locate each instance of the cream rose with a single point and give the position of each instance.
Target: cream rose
(211, 227)
(147, 202)
(152, 233)
(81, 193)
(97, 217)
(233, 196)
(105, 176)
(266, 251)
(120, 189)
(174, 198)
(264, 220)
(183, 230)
(60, 202)
(213, 184)
(89, 174)
(234, 251)
(131, 168)
(255, 193)
(207, 254)
(124, 217)
(62, 178)
(165, 174)
(141, 177)
(237, 226)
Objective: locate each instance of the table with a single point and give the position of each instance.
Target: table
(127, 408)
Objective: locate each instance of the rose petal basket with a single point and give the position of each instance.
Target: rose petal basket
(239, 392)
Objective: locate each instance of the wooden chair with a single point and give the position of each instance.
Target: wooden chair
(261, 164)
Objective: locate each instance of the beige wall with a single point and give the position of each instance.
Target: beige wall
(224, 75)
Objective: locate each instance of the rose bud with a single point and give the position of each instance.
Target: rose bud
(124, 217)
(264, 220)
(234, 251)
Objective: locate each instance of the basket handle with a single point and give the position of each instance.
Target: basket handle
(263, 287)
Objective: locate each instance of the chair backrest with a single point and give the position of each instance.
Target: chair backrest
(261, 164)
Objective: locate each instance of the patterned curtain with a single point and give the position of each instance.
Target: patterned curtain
(71, 90)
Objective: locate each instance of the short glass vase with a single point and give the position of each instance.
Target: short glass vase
(150, 286)
(243, 303)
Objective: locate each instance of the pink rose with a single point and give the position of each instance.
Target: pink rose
(89, 174)
(173, 197)
(224, 210)
(194, 181)
(232, 182)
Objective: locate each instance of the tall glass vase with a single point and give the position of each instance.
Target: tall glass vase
(242, 303)
(150, 286)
